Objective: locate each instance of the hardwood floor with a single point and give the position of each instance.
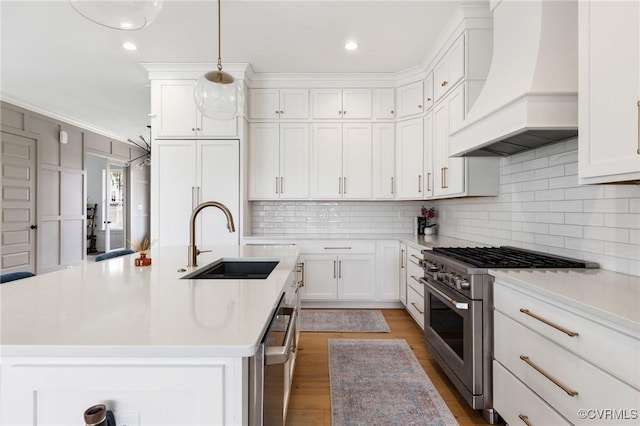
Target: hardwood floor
(310, 402)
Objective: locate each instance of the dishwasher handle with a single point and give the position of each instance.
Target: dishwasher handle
(280, 354)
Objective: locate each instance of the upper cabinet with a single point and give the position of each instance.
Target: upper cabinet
(384, 104)
(174, 114)
(341, 104)
(410, 99)
(609, 102)
(450, 69)
(429, 98)
(279, 104)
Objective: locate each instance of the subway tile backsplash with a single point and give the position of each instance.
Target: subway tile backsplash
(540, 207)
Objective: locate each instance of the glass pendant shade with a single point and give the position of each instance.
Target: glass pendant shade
(119, 15)
(218, 96)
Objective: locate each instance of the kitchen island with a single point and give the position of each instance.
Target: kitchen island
(158, 348)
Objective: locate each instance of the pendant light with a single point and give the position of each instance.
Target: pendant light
(119, 15)
(216, 93)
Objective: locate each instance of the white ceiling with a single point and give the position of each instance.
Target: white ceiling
(55, 60)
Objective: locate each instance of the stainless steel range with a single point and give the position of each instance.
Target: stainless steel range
(458, 312)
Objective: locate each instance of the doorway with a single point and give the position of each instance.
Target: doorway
(106, 191)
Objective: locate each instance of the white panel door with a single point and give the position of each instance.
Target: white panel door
(356, 277)
(320, 277)
(388, 264)
(326, 161)
(409, 158)
(428, 155)
(356, 104)
(326, 103)
(294, 103)
(264, 103)
(175, 109)
(294, 161)
(384, 104)
(383, 161)
(18, 203)
(264, 158)
(409, 99)
(356, 161)
(449, 171)
(218, 180)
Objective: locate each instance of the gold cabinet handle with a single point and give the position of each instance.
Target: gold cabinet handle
(334, 268)
(428, 182)
(525, 419)
(392, 184)
(391, 112)
(638, 128)
(420, 106)
(419, 184)
(416, 257)
(402, 259)
(549, 323)
(417, 309)
(277, 112)
(281, 112)
(344, 185)
(281, 185)
(444, 177)
(553, 380)
(428, 99)
(344, 112)
(276, 184)
(339, 268)
(416, 279)
(339, 185)
(338, 248)
(444, 83)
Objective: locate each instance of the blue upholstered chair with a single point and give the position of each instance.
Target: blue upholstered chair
(113, 253)
(12, 276)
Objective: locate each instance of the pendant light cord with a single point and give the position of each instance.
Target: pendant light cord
(219, 40)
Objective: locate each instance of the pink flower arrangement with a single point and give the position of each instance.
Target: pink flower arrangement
(428, 213)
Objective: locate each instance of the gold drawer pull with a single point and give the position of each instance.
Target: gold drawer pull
(338, 248)
(569, 392)
(525, 419)
(549, 323)
(416, 279)
(416, 257)
(417, 309)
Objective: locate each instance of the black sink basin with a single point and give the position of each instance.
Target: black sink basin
(235, 270)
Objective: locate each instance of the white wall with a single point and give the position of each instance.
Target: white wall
(540, 207)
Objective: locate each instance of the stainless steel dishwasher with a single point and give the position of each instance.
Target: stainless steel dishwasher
(267, 368)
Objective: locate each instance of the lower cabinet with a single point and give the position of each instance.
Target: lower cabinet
(344, 277)
(415, 289)
(387, 261)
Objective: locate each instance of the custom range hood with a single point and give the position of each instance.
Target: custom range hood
(530, 97)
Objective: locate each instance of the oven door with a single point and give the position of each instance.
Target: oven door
(453, 329)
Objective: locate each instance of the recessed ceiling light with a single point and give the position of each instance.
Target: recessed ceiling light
(351, 45)
(129, 46)
(126, 25)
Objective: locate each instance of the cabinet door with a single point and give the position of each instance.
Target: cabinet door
(218, 180)
(326, 160)
(428, 155)
(409, 157)
(428, 92)
(356, 104)
(173, 191)
(383, 161)
(449, 172)
(356, 277)
(294, 161)
(264, 103)
(326, 103)
(383, 104)
(609, 113)
(410, 99)
(209, 127)
(450, 69)
(320, 277)
(356, 161)
(388, 264)
(264, 161)
(294, 103)
(174, 109)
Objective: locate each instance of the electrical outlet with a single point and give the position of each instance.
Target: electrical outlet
(401, 214)
(127, 418)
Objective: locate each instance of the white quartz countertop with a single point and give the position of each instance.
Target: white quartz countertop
(427, 241)
(113, 308)
(608, 295)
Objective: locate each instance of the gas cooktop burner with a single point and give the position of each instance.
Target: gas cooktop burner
(510, 257)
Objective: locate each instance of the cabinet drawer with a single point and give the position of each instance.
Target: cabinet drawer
(513, 399)
(415, 306)
(537, 362)
(337, 247)
(413, 281)
(611, 350)
(414, 255)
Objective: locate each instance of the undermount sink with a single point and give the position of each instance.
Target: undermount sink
(234, 269)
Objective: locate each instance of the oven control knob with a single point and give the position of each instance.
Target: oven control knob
(464, 285)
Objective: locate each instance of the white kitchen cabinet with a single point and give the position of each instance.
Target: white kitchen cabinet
(409, 159)
(278, 161)
(279, 103)
(341, 161)
(415, 289)
(457, 176)
(450, 70)
(174, 113)
(167, 391)
(333, 277)
(341, 104)
(185, 173)
(403, 273)
(609, 110)
(428, 161)
(384, 104)
(556, 357)
(410, 99)
(388, 262)
(383, 160)
(429, 96)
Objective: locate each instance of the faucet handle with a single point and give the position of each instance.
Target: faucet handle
(198, 251)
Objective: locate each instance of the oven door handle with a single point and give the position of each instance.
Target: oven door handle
(280, 354)
(463, 306)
